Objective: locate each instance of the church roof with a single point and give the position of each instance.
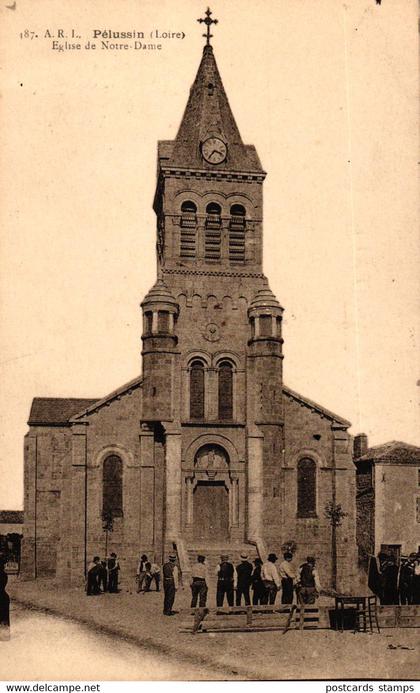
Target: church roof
(11, 517)
(208, 114)
(56, 411)
(115, 394)
(394, 452)
(316, 407)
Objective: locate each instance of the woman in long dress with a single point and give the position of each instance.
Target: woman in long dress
(4, 605)
(92, 583)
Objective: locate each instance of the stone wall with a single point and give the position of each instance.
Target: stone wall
(396, 491)
(365, 507)
(310, 434)
(46, 453)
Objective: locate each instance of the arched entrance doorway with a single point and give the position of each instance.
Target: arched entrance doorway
(210, 491)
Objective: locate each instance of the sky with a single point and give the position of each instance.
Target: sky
(326, 91)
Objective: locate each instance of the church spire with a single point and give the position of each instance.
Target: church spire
(208, 117)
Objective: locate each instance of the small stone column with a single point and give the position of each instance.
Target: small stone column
(173, 486)
(28, 563)
(190, 500)
(234, 502)
(79, 508)
(255, 485)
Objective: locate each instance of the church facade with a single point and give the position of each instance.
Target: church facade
(208, 448)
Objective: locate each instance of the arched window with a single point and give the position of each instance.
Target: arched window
(188, 229)
(237, 233)
(197, 390)
(225, 390)
(212, 239)
(306, 488)
(112, 492)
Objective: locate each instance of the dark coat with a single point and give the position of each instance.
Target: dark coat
(244, 573)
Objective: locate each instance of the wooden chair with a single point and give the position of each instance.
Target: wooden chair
(372, 605)
(357, 607)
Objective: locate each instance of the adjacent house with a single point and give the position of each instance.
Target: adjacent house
(388, 498)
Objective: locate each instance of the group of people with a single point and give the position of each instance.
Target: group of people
(262, 578)
(409, 580)
(395, 581)
(147, 572)
(102, 575)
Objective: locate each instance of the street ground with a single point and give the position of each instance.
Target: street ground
(46, 647)
(138, 619)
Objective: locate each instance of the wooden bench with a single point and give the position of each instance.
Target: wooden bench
(242, 619)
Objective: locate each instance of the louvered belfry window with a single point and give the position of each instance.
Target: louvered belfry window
(188, 229)
(225, 391)
(306, 488)
(197, 390)
(213, 230)
(237, 234)
(112, 489)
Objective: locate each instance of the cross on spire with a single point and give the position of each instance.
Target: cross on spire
(208, 22)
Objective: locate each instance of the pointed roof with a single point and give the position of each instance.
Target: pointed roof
(208, 114)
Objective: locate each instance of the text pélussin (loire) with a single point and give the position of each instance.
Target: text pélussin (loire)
(109, 34)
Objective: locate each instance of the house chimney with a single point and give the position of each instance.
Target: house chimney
(360, 445)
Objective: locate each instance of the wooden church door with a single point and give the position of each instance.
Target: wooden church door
(211, 511)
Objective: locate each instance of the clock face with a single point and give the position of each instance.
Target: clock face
(214, 150)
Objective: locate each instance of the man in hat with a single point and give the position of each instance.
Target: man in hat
(113, 569)
(225, 581)
(309, 584)
(258, 589)
(416, 581)
(406, 579)
(141, 572)
(199, 580)
(243, 580)
(153, 575)
(270, 578)
(288, 578)
(170, 584)
(103, 575)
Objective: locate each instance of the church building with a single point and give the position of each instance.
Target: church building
(207, 449)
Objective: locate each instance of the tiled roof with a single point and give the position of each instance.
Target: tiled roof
(11, 517)
(56, 410)
(394, 452)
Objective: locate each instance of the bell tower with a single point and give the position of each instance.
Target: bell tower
(208, 198)
(217, 358)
